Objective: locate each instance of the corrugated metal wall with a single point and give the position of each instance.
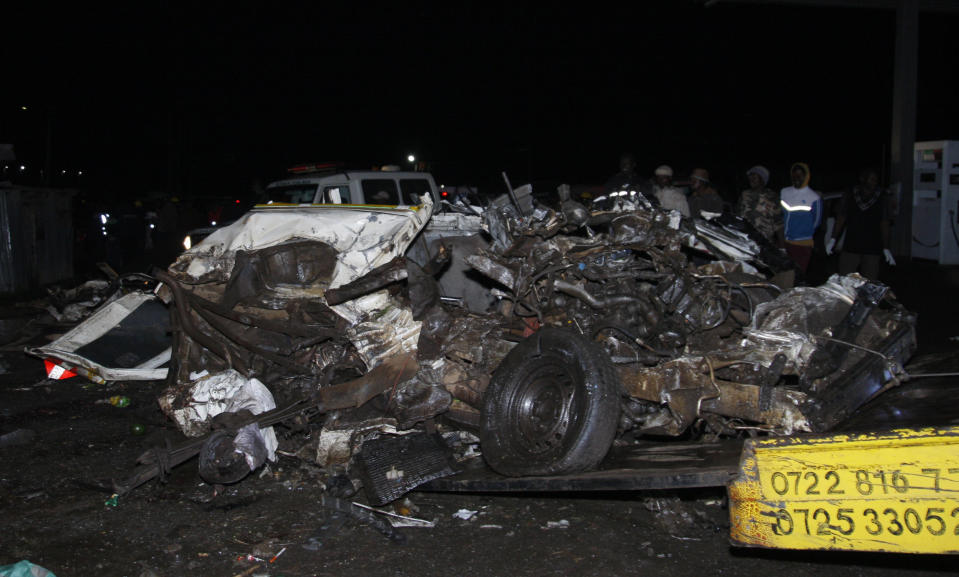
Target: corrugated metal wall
(36, 238)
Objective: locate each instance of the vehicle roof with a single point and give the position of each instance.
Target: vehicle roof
(351, 175)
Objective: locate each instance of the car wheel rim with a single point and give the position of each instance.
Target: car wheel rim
(543, 408)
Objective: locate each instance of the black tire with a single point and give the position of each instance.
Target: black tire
(551, 408)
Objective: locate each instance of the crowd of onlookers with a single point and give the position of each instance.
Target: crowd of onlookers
(789, 218)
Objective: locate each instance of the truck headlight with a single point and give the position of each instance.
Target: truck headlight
(187, 243)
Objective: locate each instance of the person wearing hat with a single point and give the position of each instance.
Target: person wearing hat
(759, 206)
(669, 197)
(704, 197)
(802, 215)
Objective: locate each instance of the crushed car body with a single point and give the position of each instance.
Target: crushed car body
(564, 332)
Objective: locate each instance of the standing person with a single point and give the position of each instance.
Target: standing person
(669, 197)
(167, 244)
(627, 178)
(623, 183)
(704, 197)
(865, 214)
(802, 214)
(759, 205)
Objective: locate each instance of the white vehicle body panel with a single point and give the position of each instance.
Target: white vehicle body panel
(106, 319)
(364, 237)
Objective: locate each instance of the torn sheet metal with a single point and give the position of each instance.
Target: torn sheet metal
(777, 377)
(252, 293)
(335, 445)
(726, 242)
(693, 342)
(363, 237)
(73, 304)
(380, 327)
(127, 339)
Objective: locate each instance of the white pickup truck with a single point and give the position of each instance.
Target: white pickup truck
(388, 188)
(315, 185)
(383, 188)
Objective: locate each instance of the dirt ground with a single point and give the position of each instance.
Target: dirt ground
(53, 512)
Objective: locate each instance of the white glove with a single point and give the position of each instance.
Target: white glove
(888, 254)
(830, 244)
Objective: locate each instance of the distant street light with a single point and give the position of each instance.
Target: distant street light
(411, 158)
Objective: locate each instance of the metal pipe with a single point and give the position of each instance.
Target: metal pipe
(594, 302)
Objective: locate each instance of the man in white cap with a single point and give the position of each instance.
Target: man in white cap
(670, 197)
(759, 205)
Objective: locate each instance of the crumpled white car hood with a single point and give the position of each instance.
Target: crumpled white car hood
(364, 237)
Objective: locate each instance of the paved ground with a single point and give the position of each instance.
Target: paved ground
(52, 513)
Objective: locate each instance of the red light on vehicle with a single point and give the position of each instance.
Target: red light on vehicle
(444, 194)
(316, 167)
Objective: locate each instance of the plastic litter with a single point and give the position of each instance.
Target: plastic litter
(277, 556)
(24, 569)
(397, 520)
(464, 514)
(17, 437)
(225, 392)
(116, 400)
(364, 515)
(250, 558)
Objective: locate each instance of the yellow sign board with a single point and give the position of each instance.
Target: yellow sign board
(895, 492)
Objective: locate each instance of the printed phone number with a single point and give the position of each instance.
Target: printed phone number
(860, 482)
(879, 521)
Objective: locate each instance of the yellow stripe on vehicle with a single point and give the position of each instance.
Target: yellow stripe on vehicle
(414, 207)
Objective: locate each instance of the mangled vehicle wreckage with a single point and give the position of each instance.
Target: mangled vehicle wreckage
(591, 328)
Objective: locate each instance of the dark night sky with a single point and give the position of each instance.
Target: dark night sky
(205, 98)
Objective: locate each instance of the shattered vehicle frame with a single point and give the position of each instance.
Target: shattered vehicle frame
(594, 328)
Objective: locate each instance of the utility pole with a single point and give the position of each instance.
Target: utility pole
(904, 120)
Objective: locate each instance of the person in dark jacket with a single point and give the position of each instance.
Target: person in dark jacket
(865, 214)
(627, 178)
(704, 197)
(624, 185)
